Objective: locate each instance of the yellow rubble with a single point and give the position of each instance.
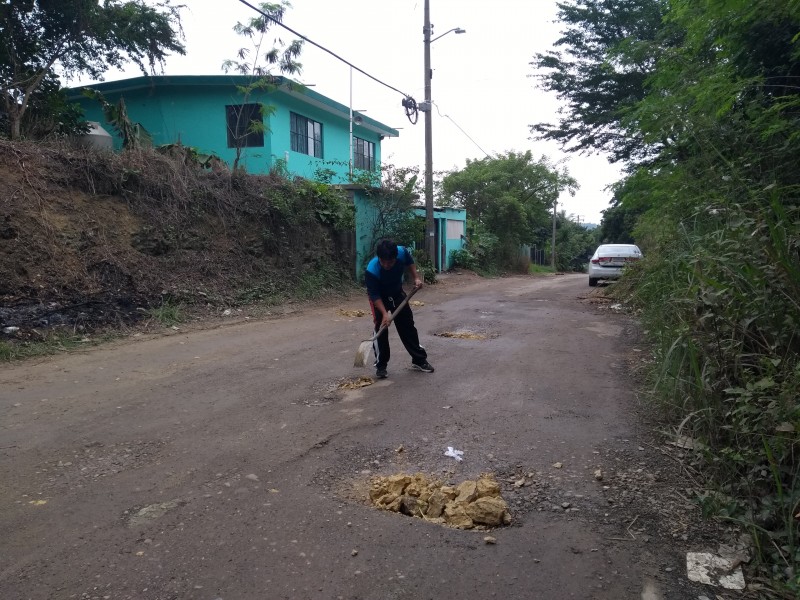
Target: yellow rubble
(469, 505)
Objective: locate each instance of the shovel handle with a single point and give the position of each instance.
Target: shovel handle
(400, 307)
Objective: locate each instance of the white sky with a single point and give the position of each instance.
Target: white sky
(481, 79)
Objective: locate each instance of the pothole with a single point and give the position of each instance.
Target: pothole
(352, 313)
(333, 391)
(95, 461)
(463, 334)
(139, 517)
(472, 504)
(350, 383)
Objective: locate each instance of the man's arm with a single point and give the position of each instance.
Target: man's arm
(412, 268)
(378, 304)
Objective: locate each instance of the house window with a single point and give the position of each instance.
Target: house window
(306, 135)
(245, 126)
(363, 154)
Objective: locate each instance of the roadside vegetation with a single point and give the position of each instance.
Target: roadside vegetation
(510, 200)
(700, 100)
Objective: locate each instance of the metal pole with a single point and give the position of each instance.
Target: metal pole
(430, 240)
(351, 124)
(553, 253)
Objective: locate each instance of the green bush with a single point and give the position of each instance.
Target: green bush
(464, 259)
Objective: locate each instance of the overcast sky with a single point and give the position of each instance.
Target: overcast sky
(484, 96)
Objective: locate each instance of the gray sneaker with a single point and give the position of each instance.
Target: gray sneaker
(425, 367)
(381, 373)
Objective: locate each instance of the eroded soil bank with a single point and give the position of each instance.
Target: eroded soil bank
(90, 240)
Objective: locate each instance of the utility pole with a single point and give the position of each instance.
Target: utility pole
(553, 249)
(351, 125)
(430, 239)
(426, 107)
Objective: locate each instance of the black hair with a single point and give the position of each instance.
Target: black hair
(386, 249)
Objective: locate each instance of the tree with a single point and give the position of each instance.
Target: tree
(259, 68)
(718, 217)
(510, 196)
(75, 37)
(598, 71)
(574, 244)
(48, 113)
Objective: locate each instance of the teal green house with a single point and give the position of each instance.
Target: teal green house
(303, 132)
(297, 131)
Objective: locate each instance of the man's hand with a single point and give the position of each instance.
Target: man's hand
(386, 319)
(416, 275)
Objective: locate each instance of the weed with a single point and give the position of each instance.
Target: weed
(168, 313)
(319, 282)
(266, 292)
(535, 269)
(54, 342)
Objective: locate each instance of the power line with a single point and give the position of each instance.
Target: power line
(408, 102)
(460, 129)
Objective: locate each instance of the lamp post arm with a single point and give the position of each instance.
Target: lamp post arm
(456, 29)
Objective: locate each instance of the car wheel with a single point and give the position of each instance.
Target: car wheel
(592, 282)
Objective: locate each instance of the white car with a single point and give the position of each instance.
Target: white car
(608, 261)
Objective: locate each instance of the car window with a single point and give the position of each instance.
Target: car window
(618, 248)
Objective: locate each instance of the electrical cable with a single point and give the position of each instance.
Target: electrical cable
(460, 129)
(412, 110)
(409, 103)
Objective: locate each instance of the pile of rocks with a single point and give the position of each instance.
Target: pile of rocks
(469, 505)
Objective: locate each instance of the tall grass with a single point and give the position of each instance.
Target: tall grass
(721, 298)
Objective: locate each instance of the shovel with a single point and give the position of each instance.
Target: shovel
(366, 345)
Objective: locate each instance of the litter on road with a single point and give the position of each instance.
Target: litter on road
(710, 569)
(457, 454)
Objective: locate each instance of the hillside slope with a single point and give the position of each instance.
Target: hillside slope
(90, 239)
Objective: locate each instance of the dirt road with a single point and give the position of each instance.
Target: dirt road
(227, 463)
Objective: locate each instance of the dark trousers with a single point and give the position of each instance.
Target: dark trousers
(404, 322)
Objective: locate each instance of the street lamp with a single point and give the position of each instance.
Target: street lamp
(456, 29)
(427, 30)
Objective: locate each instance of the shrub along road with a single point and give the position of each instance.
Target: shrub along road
(233, 463)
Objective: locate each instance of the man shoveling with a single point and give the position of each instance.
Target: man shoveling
(384, 279)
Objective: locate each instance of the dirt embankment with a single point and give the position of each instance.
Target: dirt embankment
(91, 239)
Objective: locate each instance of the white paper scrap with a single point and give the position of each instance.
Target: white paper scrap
(457, 454)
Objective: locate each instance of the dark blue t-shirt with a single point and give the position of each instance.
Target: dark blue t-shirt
(383, 283)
